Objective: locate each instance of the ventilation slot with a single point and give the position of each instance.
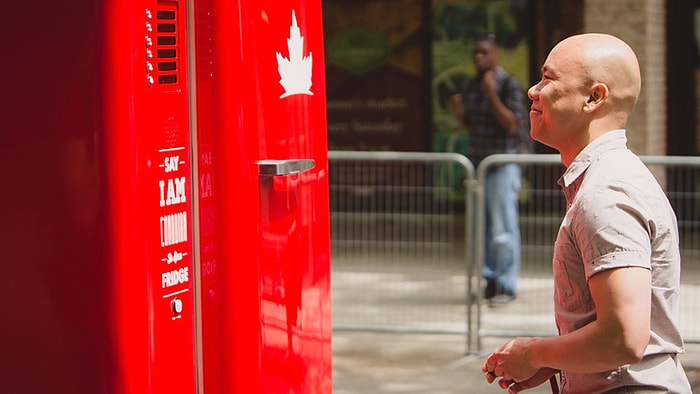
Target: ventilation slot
(166, 44)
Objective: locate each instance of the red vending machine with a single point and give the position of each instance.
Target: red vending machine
(164, 224)
(97, 230)
(263, 197)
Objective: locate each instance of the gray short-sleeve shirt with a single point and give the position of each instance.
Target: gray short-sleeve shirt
(618, 216)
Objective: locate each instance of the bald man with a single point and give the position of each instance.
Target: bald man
(616, 258)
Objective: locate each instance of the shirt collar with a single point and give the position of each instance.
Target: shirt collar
(614, 139)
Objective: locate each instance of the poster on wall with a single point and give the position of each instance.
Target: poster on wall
(376, 75)
(456, 23)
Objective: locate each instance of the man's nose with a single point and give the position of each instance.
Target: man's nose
(533, 92)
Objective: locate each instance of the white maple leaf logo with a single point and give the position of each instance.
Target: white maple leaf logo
(295, 72)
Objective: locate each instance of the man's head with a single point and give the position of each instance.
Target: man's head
(485, 53)
(590, 84)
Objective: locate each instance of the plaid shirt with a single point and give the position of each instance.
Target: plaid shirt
(486, 136)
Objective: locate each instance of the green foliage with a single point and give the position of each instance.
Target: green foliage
(455, 26)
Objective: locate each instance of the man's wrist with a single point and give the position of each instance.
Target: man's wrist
(535, 352)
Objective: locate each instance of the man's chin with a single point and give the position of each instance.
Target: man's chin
(535, 134)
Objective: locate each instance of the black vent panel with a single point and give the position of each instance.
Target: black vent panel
(166, 48)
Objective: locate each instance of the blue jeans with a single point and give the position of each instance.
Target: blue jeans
(502, 254)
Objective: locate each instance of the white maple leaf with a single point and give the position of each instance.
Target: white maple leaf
(295, 72)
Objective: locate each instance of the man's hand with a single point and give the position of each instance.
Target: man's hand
(510, 362)
(456, 108)
(542, 376)
(456, 105)
(488, 83)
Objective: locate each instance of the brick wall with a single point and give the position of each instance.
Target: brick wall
(641, 23)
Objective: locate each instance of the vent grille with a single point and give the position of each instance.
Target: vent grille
(166, 44)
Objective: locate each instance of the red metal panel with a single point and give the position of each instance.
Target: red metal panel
(86, 308)
(56, 287)
(147, 140)
(265, 272)
(211, 311)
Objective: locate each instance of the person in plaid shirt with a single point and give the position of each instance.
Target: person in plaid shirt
(491, 108)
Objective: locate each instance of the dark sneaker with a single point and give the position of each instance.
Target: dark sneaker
(490, 290)
(501, 300)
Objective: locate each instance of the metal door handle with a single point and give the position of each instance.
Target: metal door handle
(283, 167)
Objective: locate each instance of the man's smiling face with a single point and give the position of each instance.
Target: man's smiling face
(558, 99)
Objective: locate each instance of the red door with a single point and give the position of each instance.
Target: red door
(263, 197)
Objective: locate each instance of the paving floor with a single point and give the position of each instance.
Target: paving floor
(385, 363)
(385, 360)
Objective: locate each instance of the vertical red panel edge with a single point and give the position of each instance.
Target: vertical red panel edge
(241, 316)
(130, 295)
(321, 155)
(163, 124)
(143, 328)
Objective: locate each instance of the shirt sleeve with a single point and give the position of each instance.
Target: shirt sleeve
(513, 98)
(615, 230)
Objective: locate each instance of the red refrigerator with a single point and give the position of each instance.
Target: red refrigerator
(165, 217)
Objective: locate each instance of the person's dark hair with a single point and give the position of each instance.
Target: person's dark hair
(490, 37)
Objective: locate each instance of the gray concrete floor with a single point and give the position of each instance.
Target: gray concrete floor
(379, 361)
(384, 363)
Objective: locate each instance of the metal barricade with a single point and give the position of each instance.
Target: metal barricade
(400, 241)
(542, 208)
(680, 178)
(407, 242)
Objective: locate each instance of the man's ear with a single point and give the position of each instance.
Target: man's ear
(598, 94)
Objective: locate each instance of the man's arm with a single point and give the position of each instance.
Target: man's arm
(621, 331)
(456, 108)
(618, 336)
